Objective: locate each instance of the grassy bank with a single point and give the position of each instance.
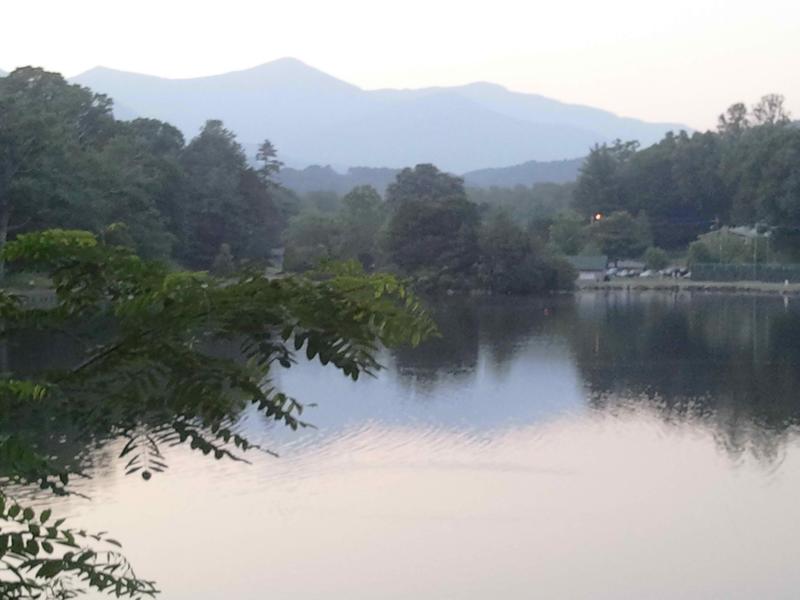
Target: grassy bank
(686, 285)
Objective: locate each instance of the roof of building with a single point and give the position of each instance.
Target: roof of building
(630, 264)
(589, 263)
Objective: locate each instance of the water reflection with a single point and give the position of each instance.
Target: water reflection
(624, 505)
(597, 446)
(733, 359)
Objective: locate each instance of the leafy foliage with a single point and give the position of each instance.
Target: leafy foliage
(228, 202)
(655, 258)
(431, 223)
(362, 216)
(65, 162)
(310, 238)
(724, 246)
(156, 380)
(514, 262)
(567, 232)
(619, 235)
(745, 173)
(600, 187)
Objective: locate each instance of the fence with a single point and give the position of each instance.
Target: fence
(770, 272)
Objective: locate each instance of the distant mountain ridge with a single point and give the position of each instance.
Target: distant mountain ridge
(314, 118)
(317, 178)
(527, 174)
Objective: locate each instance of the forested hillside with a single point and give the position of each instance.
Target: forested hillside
(66, 162)
(745, 173)
(327, 179)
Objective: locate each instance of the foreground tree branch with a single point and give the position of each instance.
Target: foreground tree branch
(155, 379)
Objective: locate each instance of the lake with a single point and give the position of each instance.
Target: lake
(603, 445)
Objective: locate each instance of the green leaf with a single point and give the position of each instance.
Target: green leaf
(49, 569)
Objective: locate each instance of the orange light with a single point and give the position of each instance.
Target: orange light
(598, 217)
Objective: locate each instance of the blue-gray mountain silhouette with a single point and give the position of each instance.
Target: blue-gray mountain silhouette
(314, 118)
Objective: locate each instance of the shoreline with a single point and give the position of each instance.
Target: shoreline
(687, 285)
(46, 298)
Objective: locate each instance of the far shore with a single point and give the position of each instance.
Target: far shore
(45, 297)
(687, 285)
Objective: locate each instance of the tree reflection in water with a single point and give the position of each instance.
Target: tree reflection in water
(726, 362)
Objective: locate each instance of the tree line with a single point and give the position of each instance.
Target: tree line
(66, 162)
(745, 173)
(427, 228)
(675, 198)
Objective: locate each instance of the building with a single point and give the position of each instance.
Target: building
(590, 268)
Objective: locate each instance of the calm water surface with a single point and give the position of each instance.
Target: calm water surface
(601, 446)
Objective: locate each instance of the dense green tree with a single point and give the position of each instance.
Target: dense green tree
(655, 258)
(322, 201)
(425, 184)
(311, 237)
(46, 125)
(159, 146)
(264, 218)
(619, 235)
(600, 187)
(568, 232)
(699, 252)
(122, 185)
(227, 201)
(677, 183)
(69, 163)
(362, 216)
(533, 206)
(734, 120)
(432, 224)
(727, 247)
(771, 110)
(214, 162)
(270, 166)
(761, 170)
(509, 260)
(703, 195)
(503, 243)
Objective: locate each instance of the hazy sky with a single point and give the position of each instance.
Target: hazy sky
(681, 61)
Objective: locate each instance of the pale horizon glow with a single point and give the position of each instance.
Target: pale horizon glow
(681, 62)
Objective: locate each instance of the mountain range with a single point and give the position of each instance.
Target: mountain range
(314, 118)
(316, 178)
